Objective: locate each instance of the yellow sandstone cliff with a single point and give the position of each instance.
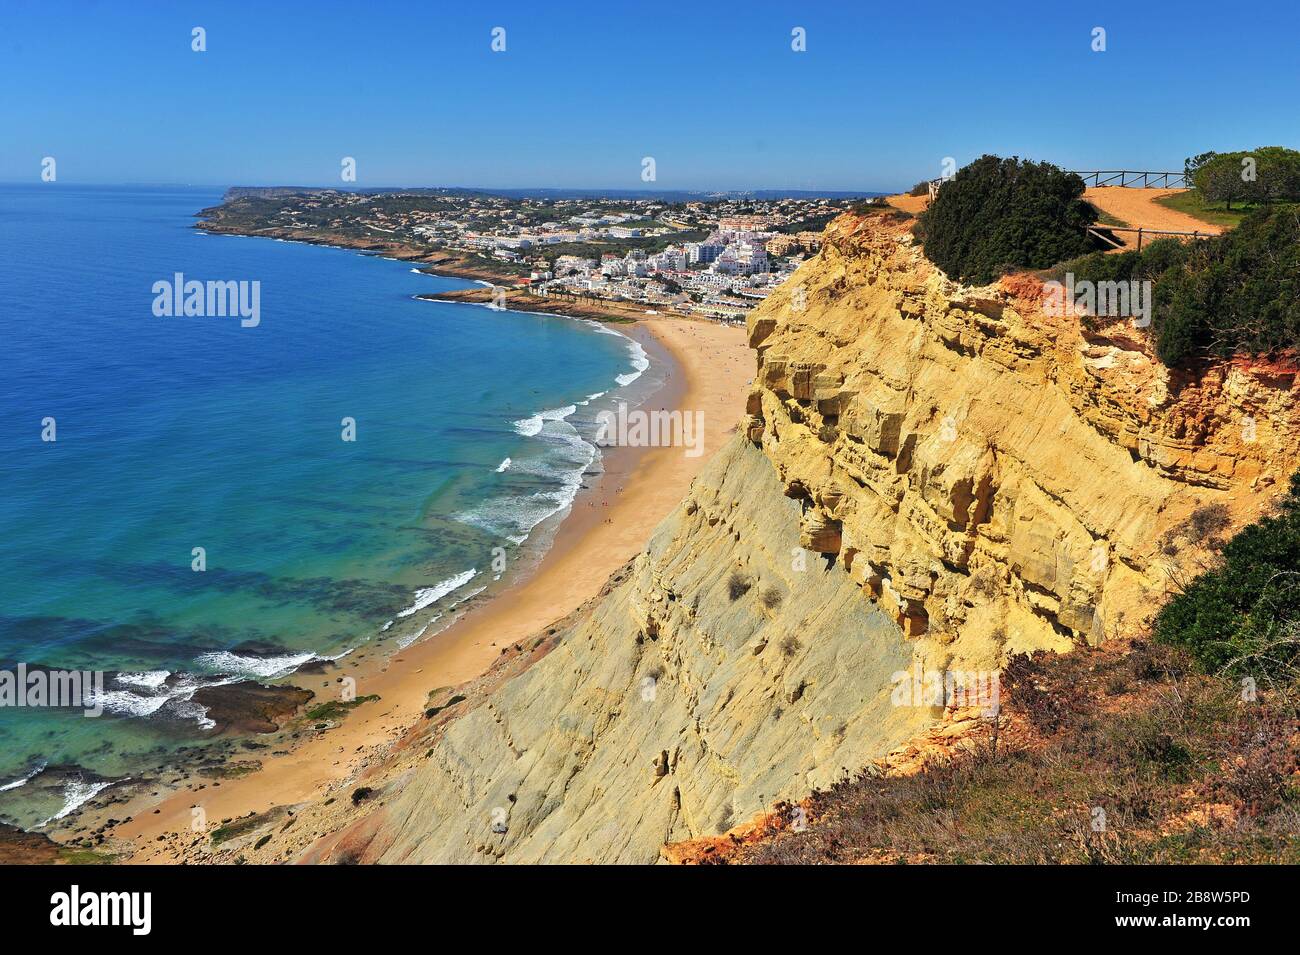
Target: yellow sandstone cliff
(995, 478)
(929, 475)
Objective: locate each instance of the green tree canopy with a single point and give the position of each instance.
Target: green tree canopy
(1266, 174)
(996, 214)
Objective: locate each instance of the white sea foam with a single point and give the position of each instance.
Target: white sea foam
(142, 694)
(640, 362)
(75, 795)
(126, 703)
(40, 767)
(149, 679)
(429, 595)
(189, 710)
(560, 469)
(252, 667)
(532, 426)
(407, 641)
(151, 692)
(568, 458)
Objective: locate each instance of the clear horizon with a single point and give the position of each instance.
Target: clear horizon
(346, 187)
(580, 96)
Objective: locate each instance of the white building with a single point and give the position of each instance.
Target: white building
(702, 253)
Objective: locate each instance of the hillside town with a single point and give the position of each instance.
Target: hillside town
(715, 257)
(724, 274)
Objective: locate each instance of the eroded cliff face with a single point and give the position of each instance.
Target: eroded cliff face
(724, 672)
(997, 479)
(929, 475)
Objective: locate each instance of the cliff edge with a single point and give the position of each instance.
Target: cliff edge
(996, 478)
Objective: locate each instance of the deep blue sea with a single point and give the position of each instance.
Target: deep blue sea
(176, 433)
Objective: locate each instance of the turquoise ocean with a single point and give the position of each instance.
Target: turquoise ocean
(472, 437)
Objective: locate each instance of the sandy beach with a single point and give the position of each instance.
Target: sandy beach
(607, 526)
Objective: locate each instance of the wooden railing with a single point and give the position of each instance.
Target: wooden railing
(1136, 179)
(1099, 231)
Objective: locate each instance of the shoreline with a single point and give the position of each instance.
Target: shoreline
(606, 525)
(446, 264)
(523, 300)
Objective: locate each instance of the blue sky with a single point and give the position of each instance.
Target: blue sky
(584, 90)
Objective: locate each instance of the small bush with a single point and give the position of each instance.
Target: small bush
(433, 711)
(772, 598)
(1203, 526)
(1117, 685)
(790, 646)
(996, 214)
(1152, 744)
(1208, 522)
(1046, 711)
(985, 583)
(738, 585)
(922, 188)
(361, 794)
(726, 819)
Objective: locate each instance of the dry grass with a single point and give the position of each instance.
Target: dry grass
(1174, 763)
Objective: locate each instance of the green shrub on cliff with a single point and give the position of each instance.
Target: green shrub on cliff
(1265, 174)
(1238, 293)
(1244, 614)
(1153, 261)
(996, 214)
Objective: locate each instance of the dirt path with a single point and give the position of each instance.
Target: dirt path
(1137, 208)
(912, 204)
